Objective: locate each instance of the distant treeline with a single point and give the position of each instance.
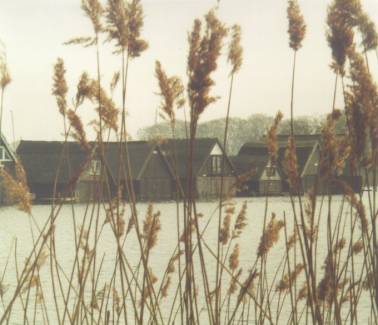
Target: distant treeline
(241, 130)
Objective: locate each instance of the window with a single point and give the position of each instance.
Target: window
(270, 171)
(216, 165)
(95, 168)
(4, 155)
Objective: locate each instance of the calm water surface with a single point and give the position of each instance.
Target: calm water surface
(15, 228)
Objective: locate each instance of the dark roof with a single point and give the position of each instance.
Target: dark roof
(139, 153)
(258, 152)
(42, 158)
(202, 150)
(250, 164)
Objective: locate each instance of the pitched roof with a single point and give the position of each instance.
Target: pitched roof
(258, 152)
(41, 160)
(252, 158)
(8, 147)
(139, 153)
(179, 149)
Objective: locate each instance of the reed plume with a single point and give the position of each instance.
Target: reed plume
(270, 236)
(204, 51)
(235, 51)
(297, 32)
(171, 92)
(334, 149)
(288, 279)
(342, 17)
(290, 164)
(94, 10)
(124, 26)
(78, 133)
(362, 107)
(272, 139)
(5, 78)
(368, 32)
(233, 261)
(16, 188)
(60, 88)
(151, 227)
(241, 222)
(297, 26)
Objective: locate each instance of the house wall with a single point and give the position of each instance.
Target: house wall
(270, 187)
(156, 182)
(208, 187)
(324, 187)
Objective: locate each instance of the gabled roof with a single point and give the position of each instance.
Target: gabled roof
(250, 164)
(258, 152)
(179, 149)
(41, 160)
(8, 147)
(139, 155)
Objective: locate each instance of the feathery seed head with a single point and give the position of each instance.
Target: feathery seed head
(93, 9)
(270, 236)
(5, 77)
(368, 32)
(297, 26)
(60, 88)
(233, 261)
(171, 92)
(235, 51)
(204, 51)
(272, 139)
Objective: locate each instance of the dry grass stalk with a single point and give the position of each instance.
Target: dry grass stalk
(78, 133)
(297, 26)
(272, 139)
(164, 290)
(334, 149)
(270, 236)
(288, 279)
(151, 227)
(241, 222)
(290, 164)
(16, 188)
(234, 283)
(233, 261)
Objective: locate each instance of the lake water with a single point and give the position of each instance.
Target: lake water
(15, 226)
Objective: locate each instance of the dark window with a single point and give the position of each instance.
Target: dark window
(216, 165)
(4, 156)
(270, 171)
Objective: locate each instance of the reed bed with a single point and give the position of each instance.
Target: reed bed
(315, 258)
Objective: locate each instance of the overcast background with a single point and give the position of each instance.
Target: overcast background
(33, 32)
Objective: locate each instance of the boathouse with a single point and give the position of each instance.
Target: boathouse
(209, 165)
(52, 168)
(145, 165)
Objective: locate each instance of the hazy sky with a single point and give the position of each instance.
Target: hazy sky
(33, 32)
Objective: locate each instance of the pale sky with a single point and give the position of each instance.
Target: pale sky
(33, 32)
